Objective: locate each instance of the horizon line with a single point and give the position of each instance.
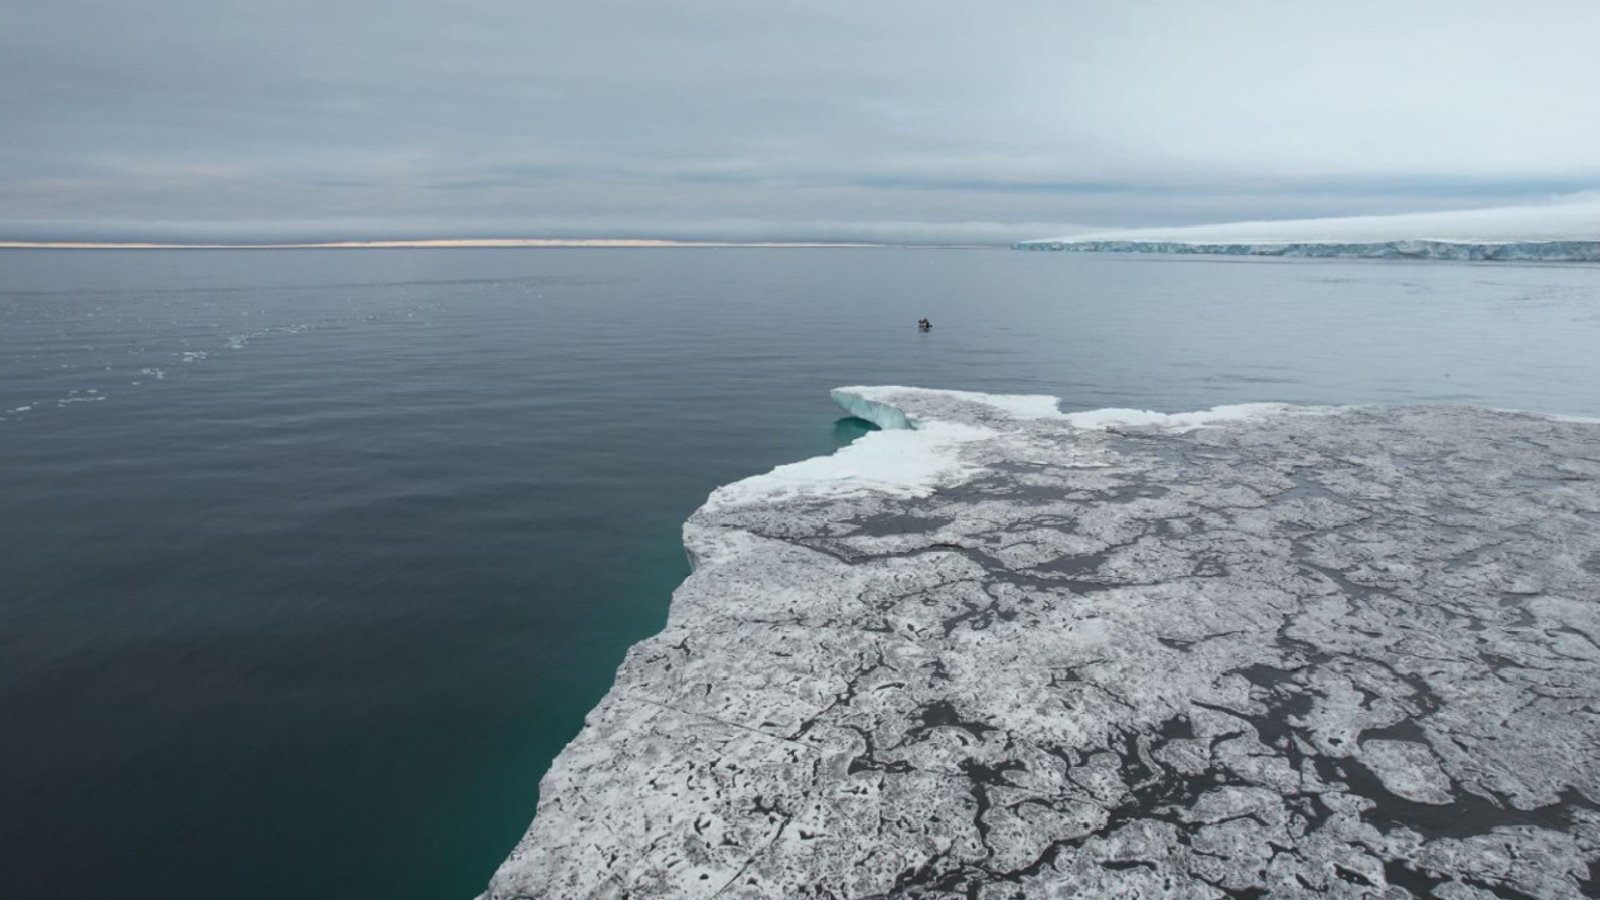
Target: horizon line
(448, 243)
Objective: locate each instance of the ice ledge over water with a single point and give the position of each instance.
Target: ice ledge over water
(998, 650)
(907, 464)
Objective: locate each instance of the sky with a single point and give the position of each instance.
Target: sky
(933, 121)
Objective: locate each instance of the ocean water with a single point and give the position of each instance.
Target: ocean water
(310, 561)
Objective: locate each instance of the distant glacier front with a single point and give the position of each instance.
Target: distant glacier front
(1566, 230)
(1535, 251)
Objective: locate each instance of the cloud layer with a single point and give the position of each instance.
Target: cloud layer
(822, 119)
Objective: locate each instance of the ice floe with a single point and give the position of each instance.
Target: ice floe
(999, 651)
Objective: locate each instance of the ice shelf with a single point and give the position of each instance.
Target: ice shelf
(1506, 251)
(1264, 651)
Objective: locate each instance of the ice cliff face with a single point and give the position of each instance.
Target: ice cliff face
(1547, 251)
(1262, 651)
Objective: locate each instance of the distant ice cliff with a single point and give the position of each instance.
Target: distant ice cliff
(1567, 230)
(1003, 651)
(1546, 251)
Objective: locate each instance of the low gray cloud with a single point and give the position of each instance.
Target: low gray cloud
(181, 119)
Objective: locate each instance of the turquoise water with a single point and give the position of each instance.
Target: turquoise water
(306, 603)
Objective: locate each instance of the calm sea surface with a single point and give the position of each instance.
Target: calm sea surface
(310, 561)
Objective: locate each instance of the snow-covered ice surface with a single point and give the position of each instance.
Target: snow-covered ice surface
(1263, 651)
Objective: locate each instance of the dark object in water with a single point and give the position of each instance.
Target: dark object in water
(924, 325)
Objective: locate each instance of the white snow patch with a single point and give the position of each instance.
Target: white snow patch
(904, 461)
(920, 450)
(1408, 769)
(1101, 419)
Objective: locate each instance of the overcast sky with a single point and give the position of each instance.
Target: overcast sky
(928, 120)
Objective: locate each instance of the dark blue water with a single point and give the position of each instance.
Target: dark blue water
(311, 560)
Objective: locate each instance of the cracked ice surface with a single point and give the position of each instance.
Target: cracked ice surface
(1264, 651)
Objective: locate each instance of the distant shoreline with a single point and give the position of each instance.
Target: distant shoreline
(461, 243)
(1492, 251)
